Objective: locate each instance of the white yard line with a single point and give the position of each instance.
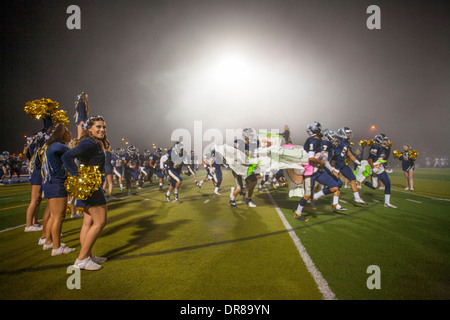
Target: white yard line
(322, 284)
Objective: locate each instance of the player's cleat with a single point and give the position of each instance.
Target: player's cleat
(338, 207)
(388, 205)
(233, 204)
(168, 198)
(313, 204)
(251, 204)
(300, 217)
(360, 201)
(176, 197)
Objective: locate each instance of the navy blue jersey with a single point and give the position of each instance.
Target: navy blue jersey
(377, 153)
(174, 161)
(341, 153)
(132, 161)
(155, 162)
(89, 152)
(327, 147)
(312, 145)
(117, 161)
(248, 148)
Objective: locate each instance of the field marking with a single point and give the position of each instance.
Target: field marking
(206, 201)
(414, 201)
(421, 195)
(23, 205)
(322, 284)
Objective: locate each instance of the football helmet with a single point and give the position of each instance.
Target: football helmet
(345, 133)
(314, 128)
(248, 133)
(381, 140)
(132, 150)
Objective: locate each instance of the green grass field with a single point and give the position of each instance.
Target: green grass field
(200, 248)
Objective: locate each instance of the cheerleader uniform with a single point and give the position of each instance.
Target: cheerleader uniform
(36, 175)
(407, 163)
(90, 153)
(108, 163)
(80, 114)
(54, 172)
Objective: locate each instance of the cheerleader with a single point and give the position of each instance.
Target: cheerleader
(109, 174)
(81, 112)
(407, 167)
(34, 168)
(90, 152)
(54, 176)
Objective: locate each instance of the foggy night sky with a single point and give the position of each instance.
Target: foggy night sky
(145, 64)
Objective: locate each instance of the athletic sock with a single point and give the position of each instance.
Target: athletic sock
(335, 200)
(317, 195)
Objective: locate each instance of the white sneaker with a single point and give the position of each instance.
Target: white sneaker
(62, 250)
(360, 201)
(76, 215)
(98, 260)
(338, 207)
(41, 241)
(388, 205)
(33, 228)
(50, 246)
(251, 204)
(406, 188)
(87, 264)
(217, 192)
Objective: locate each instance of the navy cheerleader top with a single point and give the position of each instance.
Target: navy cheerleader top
(54, 156)
(81, 114)
(89, 152)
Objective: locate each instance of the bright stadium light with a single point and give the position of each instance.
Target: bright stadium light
(230, 68)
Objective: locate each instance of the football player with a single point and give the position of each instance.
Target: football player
(213, 170)
(174, 164)
(376, 160)
(118, 158)
(342, 151)
(155, 167)
(131, 167)
(313, 146)
(248, 144)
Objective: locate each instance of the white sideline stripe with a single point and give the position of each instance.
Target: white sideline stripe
(422, 195)
(322, 284)
(414, 201)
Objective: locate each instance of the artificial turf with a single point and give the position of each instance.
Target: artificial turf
(201, 249)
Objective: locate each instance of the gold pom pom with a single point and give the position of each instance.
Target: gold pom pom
(89, 179)
(413, 154)
(351, 144)
(389, 144)
(370, 142)
(42, 108)
(363, 143)
(59, 116)
(397, 154)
